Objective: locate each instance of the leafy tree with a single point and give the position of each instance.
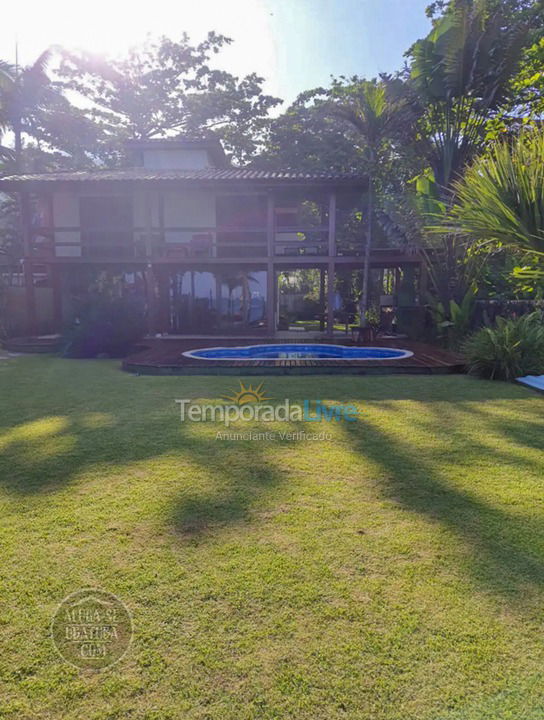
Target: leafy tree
(165, 88)
(463, 73)
(307, 138)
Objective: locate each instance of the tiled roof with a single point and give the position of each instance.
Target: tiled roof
(208, 175)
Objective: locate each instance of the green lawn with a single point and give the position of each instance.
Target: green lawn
(394, 572)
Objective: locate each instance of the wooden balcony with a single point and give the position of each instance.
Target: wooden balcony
(173, 244)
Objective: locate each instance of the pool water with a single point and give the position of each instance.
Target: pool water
(298, 351)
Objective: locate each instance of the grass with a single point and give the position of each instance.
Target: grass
(395, 571)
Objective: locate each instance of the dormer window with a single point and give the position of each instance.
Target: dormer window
(177, 154)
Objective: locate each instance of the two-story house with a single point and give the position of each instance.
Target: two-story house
(200, 241)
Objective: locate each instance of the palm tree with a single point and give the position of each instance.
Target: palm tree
(501, 198)
(380, 116)
(462, 74)
(5, 84)
(22, 92)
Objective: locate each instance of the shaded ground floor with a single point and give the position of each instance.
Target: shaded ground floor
(317, 296)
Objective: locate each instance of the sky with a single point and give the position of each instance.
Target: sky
(294, 44)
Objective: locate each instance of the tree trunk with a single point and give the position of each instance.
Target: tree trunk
(363, 303)
(18, 142)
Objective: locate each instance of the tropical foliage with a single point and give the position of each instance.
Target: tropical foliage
(501, 197)
(513, 348)
(462, 74)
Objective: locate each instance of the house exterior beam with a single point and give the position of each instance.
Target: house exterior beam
(270, 267)
(330, 298)
(332, 224)
(28, 270)
(151, 298)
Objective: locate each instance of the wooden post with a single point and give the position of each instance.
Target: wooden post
(148, 220)
(271, 299)
(270, 268)
(56, 284)
(331, 267)
(331, 296)
(163, 287)
(322, 302)
(218, 297)
(151, 295)
(30, 297)
(332, 224)
(270, 224)
(28, 273)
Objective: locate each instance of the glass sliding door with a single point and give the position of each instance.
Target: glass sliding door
(206, 302)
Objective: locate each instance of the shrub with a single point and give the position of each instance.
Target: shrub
(511, 349)
(105, 326)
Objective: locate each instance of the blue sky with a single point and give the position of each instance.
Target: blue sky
(294, 44)
(319, 38)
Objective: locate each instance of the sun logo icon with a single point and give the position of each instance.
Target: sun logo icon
(246, 395)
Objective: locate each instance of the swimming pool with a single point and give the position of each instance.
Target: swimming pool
(312, 351)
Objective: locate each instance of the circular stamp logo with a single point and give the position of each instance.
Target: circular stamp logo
(91, 629)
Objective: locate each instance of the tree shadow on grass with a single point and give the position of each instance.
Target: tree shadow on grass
(504, 548)
(234, 494)
(45, 455)
(525, 434)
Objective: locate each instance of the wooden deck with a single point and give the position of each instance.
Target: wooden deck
(164, 356)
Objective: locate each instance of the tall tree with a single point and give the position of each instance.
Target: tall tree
(22, 92)
(307, 138)
(47, 129)
(381, 118)
(166, 88)
(463, 73)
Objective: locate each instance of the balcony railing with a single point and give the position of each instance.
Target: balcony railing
(173, 243)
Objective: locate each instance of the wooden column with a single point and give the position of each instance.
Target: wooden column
(56, 284)
(163, 289)
(331, 264)
(322, 301)
(270, 268)
(148, 221)
(330, 298)
(218, 297)
(150, 275)
(332, 224)
(151, 296)
(28, 274)
(30, 298)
